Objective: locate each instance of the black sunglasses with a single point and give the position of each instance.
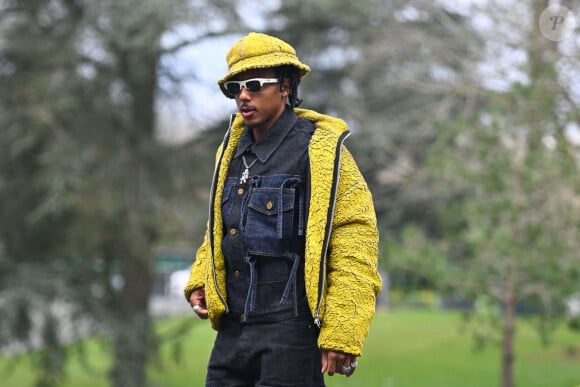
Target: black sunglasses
(253, 85)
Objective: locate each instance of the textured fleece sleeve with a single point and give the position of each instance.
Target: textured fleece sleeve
(197, 273)
(353, 280)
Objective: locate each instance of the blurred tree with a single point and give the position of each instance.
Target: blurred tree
(85, 185)
(510, 178)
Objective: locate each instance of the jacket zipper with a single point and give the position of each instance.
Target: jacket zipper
(330, 217)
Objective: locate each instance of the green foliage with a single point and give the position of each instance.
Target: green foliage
(504, 181)
(414, 261)
(484, 322)
(515, 201)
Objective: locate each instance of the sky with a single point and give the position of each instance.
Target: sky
(200, 102)
(197, 101)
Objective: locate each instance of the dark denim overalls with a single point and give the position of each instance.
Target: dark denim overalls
(268, 337)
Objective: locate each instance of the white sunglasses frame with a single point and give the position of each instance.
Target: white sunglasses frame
(243, 84)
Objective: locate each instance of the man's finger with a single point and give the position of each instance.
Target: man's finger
(324, 362)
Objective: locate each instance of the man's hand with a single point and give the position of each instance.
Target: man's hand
(338, 362)
(197, 301)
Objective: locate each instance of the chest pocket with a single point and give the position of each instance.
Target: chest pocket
(271, 218)
(275, 208)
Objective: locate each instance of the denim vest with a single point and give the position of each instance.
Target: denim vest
(264, 224)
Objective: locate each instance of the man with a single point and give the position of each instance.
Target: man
(287, 272)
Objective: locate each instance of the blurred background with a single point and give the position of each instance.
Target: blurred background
(466, 124)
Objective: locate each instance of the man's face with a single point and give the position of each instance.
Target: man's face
(261, 109)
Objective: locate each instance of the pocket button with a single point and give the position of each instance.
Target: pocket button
(269, 205)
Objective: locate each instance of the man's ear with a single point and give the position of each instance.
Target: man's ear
(285, 88)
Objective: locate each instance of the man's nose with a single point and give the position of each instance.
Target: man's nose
(244, 93)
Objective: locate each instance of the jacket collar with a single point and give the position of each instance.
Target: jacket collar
(271, 140)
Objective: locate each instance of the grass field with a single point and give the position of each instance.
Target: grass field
(404, 349)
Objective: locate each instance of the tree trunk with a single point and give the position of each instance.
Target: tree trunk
(133, 332)
(509, 331)
(133, 336)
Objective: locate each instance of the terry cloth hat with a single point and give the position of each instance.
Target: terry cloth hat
(258, 51)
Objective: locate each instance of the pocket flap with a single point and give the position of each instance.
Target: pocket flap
(265, 200)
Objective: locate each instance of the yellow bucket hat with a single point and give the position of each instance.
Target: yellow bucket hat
(258, 51)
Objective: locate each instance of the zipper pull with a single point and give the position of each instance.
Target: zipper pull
(317, 321)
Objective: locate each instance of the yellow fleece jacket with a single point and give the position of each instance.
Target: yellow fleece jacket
(340, 264)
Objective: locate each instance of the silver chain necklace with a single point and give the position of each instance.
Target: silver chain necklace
(246, 173)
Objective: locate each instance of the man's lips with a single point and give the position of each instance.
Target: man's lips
(246, 111)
